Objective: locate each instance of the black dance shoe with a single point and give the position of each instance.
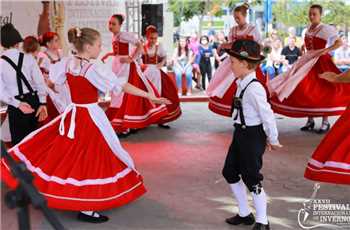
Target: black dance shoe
(324, 128)
(133, 131)
(123, 135)
(260, 226)
(236, 220)
(163, 126)
(310, 125)
(94, 218)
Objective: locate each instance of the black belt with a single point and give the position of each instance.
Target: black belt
(240, 126)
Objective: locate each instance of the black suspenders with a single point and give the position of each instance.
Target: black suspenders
(20, 76)
(237, 104)
(31, 97)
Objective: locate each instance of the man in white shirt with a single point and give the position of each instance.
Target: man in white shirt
(255, 128)
(342, 56)
(24, 91)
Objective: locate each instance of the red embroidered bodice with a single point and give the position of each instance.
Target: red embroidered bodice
(120, 48)
(147, 59)
(314, 43)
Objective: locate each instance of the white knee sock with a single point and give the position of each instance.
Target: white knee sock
(260, 204)
(240, 193)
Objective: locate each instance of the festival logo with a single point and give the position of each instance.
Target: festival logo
(323, 213)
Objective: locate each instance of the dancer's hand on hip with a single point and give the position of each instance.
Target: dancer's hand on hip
(25, 108)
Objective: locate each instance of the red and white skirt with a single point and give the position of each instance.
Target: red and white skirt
(78, 163)
(136, 112)
(223, 105)
(314, 96)
(169, 91)
(167, 88)
(331, 160)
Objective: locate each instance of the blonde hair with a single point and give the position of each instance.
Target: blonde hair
(79, 37)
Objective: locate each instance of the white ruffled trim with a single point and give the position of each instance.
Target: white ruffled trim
(333, 164)
(315, 110)
(69, 180)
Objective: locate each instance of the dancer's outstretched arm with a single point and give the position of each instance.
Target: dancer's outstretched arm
(333, 77)
(128, 88)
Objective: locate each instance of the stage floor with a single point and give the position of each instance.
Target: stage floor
(182, 172)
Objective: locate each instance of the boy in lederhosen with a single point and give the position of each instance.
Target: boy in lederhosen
(255, 129)
(22, 86)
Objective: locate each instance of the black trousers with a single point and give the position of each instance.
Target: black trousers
(244, 158)
(20, 124)
(205, 68)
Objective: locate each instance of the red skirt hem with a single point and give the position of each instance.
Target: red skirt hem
(93, 205)
(298, 112)
(216, 108)
(79, 205)
(326, 175)
(174, 115)
(152, 118)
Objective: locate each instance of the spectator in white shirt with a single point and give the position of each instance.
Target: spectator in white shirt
(342, 56)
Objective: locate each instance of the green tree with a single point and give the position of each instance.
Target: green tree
(184, 10)
(291, 13)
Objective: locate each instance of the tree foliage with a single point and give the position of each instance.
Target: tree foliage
(184, 10)
(292, 13)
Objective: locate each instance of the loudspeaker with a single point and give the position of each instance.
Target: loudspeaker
(152, 14)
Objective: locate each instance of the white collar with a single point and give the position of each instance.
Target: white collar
(244, 82)
(10, 51)
(117, 36)
(318, 26)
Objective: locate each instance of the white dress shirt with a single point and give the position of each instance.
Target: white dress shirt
(256, 109)
(8, 79)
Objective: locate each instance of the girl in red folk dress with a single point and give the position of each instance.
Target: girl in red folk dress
(154, 58)
(58, 96)
(331, 160)
(299, 92)
(128, 111)
(70, 170)
(222, 87)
